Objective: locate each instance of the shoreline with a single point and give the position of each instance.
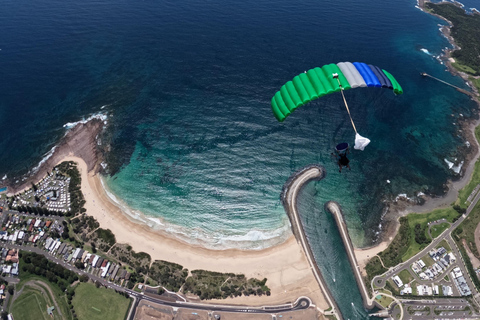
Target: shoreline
(403, 208)
(287, 279)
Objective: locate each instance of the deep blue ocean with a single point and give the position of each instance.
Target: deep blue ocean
(186, 88)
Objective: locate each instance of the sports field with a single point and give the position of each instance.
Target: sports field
(91, 303)
(32, 304)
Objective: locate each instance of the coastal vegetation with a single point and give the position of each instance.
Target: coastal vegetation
(374, 268)
(215, 285)
(466, 32)
(169, 275)
(412, 236)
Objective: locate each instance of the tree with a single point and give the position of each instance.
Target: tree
(11, 289)
(84, 278)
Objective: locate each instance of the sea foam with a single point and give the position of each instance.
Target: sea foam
(218, 240)
(99, 116)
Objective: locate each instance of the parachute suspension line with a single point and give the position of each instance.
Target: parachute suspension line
(335, 75)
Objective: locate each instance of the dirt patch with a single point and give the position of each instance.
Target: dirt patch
(191, 314)
(153, 311)
(476, 236)
(147, 310)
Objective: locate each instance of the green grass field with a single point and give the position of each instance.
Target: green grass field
(91, 303)
(59, 295)
(32, 304)
(385, 301)
(448, 214)
(405, 276)
(436, 230)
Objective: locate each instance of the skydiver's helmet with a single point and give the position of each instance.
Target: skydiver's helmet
(342, 148)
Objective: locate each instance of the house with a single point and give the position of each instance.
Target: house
(77, 253)
(110, 270)
(48, 242)
(114, 273)
(421, 264)
(15, 269)
(398, 281)
(406, 290)
(93, 260)
(122, 274)
(60, 249)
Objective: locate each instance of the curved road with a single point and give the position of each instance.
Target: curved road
(301, 303)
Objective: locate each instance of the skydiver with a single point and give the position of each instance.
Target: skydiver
(342, 150)
(343, 161)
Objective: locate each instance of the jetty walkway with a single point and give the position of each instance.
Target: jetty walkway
(289, 200)
(468, 93)
(334, 209)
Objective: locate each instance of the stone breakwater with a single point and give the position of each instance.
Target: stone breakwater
(289, 200)
(336, 211)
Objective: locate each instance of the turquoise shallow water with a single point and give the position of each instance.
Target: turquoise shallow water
(186, 88)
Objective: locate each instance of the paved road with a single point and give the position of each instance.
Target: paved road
(446, 235)
(301, 303)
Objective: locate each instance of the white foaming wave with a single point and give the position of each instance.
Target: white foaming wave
(135, 215)
(402, 196)
(45, 158)
(99, 116)
(219, 240)
(425, 51)
(4, 177)
(68, 126)
(453, 167)
(256, 239)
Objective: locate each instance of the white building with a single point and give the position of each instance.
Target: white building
(398, 281)
(421, 264)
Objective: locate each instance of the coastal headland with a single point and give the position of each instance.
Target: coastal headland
(287, 279)
(403, 208)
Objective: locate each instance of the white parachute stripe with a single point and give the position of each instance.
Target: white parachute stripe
(354, 77)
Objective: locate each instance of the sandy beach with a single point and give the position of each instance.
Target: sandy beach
(288, 278)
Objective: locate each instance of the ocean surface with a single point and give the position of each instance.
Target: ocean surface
(185, 88)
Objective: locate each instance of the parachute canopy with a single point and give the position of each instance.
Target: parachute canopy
(318, 82)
